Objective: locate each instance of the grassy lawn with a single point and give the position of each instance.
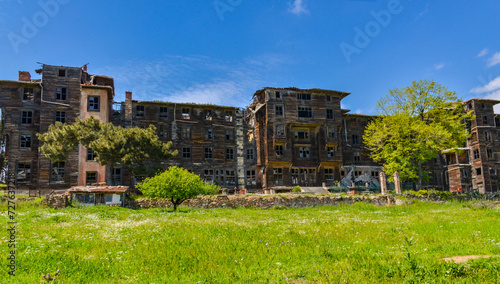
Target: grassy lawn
(347, 244)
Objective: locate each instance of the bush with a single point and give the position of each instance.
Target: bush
(297, 189)
(176, 184)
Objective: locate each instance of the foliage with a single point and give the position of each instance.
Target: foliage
(330, 244)
(297, 189)
(176, 184)
(415, 124)
(132, 147)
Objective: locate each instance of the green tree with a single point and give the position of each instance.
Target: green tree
(131, 147)
(176, 184)
(414, 125)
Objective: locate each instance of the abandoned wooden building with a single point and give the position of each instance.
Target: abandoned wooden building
(286, 137)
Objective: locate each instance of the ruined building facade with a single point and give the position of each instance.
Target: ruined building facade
(286, 137)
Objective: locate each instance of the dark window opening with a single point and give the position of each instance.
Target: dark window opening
(302, 134)
(304, 152)
(330, 151)
(279, 150)
(251, 177)
(27, 117)
(186, 113)
(209, 153)
(478, 171)
(140, 111)
(186, 132)
(280, 130)
(57, 172)
(90, 178)
(62, 73)
(249, 154)
(208, 115)
(278, 95)
(91, 155)
(163, 112)
(60, 93)
(355, 140)
(229, 154)
(279, 111)
(278, 176)
(305, 112)
(229, 135)
(93, 104)
(210, 135)
(485, 120)
(229, 116)
(329, 114)
(476, 154)
(27, 94)
(186, 153)
(23, 173)
(304, 97)
(25, 141)
(61, 116)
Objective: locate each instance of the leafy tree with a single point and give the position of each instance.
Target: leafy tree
(176, 184)
(130, 147)
(415, 124)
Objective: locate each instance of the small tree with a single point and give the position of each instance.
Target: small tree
(176, 184)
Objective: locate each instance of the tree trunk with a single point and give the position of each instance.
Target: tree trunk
(420, 173)
(109, 175)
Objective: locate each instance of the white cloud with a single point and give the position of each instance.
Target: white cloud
(493, 85)
(195, 79)
(297, 7)
(439, 66)
(494, 60)
(483, 52)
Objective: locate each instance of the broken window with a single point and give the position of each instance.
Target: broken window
(116, 176)
(25, 141)
(91, 155)
(229, 135)
(304, 152)
(278, 95)
(487, 136)
(186, 113)
(230, 178)
(357, 157)
(186, 132)
(280, 130)
(328, 98)
(61, 93)
(229, 154)
(465, 173)
(209, 153)
(374, 174)
(476, 154)
(23, 171)
(62, 73)
(90, 178)
(305, 112)
(490, 153)
(210, 135)
(140, 111)
(355, 140)
(279, 110)
(279, 150)
(302, 134)
(329, 114)
(228, 116)
(208, 176)
(27, 94)
(57, 172)
(306, 97)
(27, 117)
(208, 115)
(485, 120)
(163, 112)
(161, 131)
(251, 178)
(93, 104)
(330, 132)
(330, 151)
(61, 116)
(358, 173)
(278, 176)
(249, 154)
(186, 153)
(295, 176)
(478, 171)
(497, 121)
(329, 176)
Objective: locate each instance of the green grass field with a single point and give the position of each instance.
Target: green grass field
(360, 243)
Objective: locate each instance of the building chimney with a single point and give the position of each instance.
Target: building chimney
(128, 96)
(24, 76)
(85, 68)
(128, 108)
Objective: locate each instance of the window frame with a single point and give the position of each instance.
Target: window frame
(60, 116)
(28, 118)
(304, 112)
(24, 93)
(27, 143)
(94, 103)
(61, 93)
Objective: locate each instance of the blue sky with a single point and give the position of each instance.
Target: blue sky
(222, 51)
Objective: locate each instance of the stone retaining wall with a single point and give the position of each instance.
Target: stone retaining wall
(270, 201)
(56, 201)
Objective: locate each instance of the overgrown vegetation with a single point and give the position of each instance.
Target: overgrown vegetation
(358, 243)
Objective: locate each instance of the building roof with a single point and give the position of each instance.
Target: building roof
(160, 103)
(98, 189)
(314, 90)
(483, 100)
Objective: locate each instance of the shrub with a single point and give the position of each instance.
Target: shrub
(297, 189)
